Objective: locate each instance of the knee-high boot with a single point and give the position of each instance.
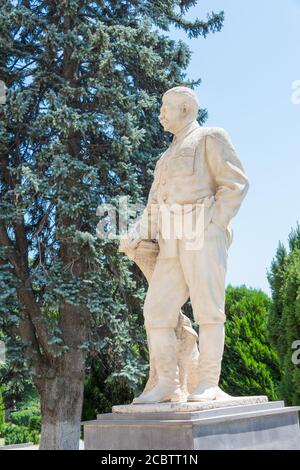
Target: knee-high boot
(164, 349)
(211, 348)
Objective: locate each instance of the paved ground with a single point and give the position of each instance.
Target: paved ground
(31, 447)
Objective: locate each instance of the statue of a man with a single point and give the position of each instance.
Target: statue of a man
(201, 179)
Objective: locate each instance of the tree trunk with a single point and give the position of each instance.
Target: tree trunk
(61, 407)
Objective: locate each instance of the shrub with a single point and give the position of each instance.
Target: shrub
(30, 418)
(13, 434)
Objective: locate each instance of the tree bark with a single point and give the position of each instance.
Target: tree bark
(61, 404)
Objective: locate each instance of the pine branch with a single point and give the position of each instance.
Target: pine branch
(32, 328)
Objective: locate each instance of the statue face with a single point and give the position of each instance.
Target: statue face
(173, 112)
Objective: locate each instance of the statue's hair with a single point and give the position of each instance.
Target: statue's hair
(189, 95)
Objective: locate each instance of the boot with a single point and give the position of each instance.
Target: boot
(211, 348)
(164, 349)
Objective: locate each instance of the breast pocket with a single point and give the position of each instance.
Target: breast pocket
(182, 164)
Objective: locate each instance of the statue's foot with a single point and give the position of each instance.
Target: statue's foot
(161, 393)
(207, 393)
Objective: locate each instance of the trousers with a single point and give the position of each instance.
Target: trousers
(196, 274)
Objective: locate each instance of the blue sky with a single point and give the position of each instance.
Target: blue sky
(247, 73)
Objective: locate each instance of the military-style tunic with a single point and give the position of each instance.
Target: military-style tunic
(199, 174)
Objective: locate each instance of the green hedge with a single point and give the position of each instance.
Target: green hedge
(29, 418)
(13, 434)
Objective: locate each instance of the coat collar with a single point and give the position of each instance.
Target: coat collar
(192, 126)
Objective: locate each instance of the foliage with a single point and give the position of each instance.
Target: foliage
(24, 424)
(100, 394)
(284, 279)
(29, 416)
(250, 364)
(2, 409)
(14, 434)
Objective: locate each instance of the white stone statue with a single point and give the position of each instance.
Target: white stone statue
(199, 184)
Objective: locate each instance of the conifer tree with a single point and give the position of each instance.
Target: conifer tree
(250, 363)
(284, 279)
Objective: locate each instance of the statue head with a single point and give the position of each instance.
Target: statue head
(180, 106)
